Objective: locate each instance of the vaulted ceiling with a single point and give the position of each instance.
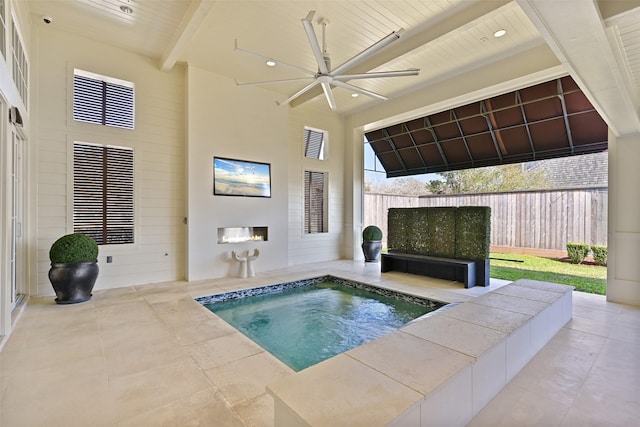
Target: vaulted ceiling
(596, 43)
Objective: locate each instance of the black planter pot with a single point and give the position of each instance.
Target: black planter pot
(371, 250)
(73, 282)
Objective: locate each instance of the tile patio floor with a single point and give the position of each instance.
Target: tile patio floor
(151, 356)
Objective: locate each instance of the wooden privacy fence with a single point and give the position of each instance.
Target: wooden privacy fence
(538, 220)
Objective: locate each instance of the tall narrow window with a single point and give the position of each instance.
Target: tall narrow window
(103, 197)
(102, 100)
(315, 142)
(315, 204)
(3, 27)
(20, 66)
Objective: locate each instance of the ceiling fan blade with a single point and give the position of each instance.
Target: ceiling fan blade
(358, 90)
(272, 81)
(326, 88)
(267, 58)
(365, 54)
(313, 41)
(300, 92)
(378, 74)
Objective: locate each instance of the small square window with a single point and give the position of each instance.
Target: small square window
(315, 143)
(102, 100)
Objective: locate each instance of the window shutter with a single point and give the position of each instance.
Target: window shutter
(313, 144)
(102, 100)
(87, 100)
(88, 186)
(103, 193)
(314, 209)
(119, 195)
(119, 106)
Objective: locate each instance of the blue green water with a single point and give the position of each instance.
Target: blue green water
(307, 325)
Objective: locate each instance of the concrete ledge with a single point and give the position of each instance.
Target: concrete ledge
(440, 370)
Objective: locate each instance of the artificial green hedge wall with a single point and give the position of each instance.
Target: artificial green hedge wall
(441, 232)
(473, 232)
(450, 232)
(398, 230)
(418, 235)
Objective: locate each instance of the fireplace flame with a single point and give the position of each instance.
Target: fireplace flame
(240, 239)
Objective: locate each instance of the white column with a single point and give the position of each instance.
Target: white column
(623, 273)
(354, 191)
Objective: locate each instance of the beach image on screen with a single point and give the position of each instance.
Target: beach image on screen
(241, 178)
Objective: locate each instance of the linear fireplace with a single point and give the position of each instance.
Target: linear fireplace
(242, 234)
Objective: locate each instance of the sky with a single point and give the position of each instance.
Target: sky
(375, 173)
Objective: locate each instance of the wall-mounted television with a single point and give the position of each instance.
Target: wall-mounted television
(233, 177)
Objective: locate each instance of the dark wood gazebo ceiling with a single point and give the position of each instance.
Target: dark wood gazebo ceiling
(548, 120)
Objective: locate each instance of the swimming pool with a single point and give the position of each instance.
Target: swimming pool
(305, 322)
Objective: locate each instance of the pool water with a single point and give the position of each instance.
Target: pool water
(306, 325)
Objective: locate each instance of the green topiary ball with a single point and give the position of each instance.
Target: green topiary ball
(73, 248)
(371, 233)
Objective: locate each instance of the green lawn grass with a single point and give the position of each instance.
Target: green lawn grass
(585, 278)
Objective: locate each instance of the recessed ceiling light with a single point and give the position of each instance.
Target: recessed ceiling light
(126, 9)
(354, 95)
(499, 33)
(271, 63)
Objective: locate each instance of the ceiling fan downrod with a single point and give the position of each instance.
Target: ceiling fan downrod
(325, 55)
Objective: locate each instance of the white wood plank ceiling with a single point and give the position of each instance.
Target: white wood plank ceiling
(443, 38)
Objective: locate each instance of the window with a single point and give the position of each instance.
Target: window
(315, 204)
(103, 193)
(315, 142)
(102, 100)
(3, 27)
(20, 66)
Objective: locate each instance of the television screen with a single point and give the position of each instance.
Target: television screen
(241, 178)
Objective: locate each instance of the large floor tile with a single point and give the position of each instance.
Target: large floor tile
(222, 350)
(556, 373)
(610, 395)
(205, 408)
(515, 406)
(257, 412)
(59, 398)
(150, 389)
(198, 332)
(245, 379)
(139, 356)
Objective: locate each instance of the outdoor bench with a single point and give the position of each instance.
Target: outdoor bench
(471, 273)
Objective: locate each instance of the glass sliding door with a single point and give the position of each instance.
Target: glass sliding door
(17, 252)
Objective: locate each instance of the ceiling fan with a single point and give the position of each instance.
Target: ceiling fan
(327, 77)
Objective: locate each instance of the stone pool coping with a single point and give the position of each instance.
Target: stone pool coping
(441, 370)
(280, 287)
